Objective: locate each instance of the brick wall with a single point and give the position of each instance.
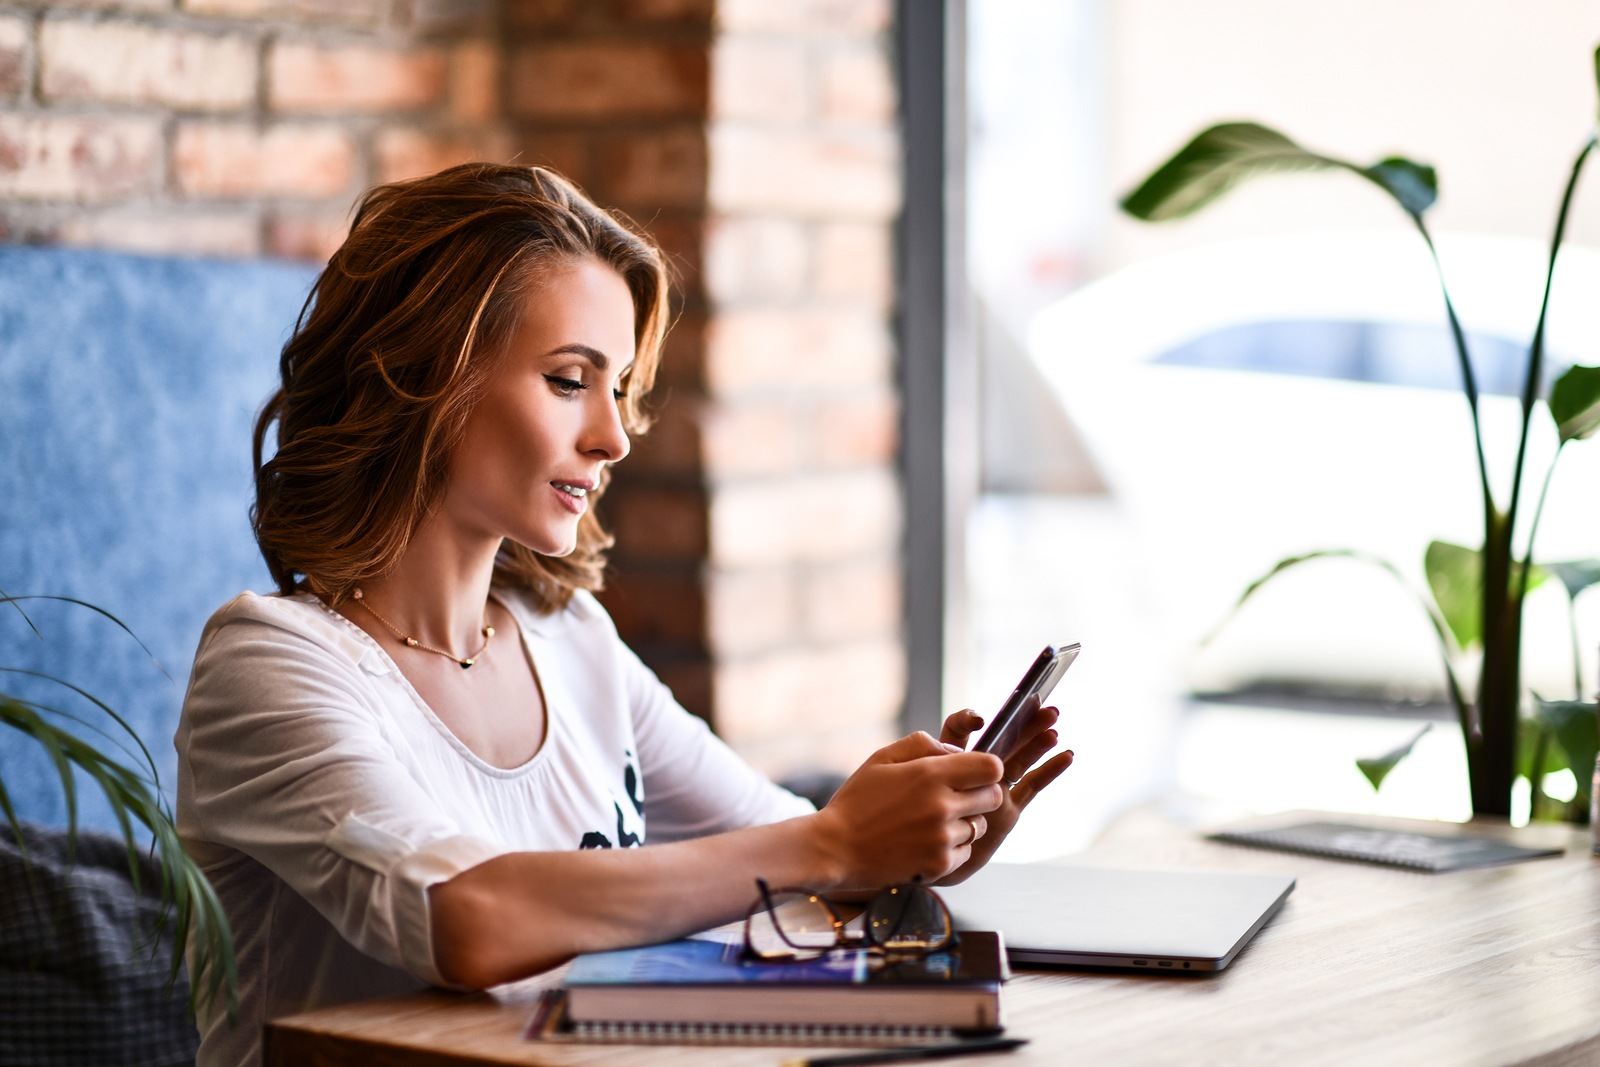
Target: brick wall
(758, 559)
(614, 94)
(758, 564)
(803, 581)
(233, 127)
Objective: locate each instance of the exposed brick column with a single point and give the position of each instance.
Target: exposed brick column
(757, 567)
(613, 94)
(799, 442)
(233, 127)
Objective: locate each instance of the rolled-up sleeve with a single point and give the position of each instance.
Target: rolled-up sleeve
(288, 763)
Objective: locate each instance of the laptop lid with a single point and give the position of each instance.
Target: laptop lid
(1080, 916)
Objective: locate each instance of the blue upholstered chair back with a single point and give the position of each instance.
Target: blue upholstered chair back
(128, 388)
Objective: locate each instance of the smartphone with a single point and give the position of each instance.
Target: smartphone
(1001, 736)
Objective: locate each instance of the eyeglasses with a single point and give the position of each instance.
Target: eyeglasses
(790, 924)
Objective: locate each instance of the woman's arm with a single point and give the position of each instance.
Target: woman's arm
(904, 813)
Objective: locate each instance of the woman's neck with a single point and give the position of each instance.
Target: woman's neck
(438, 593)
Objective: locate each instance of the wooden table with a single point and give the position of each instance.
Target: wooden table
(1364, 965)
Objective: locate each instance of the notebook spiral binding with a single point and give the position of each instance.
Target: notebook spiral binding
(551, 1023)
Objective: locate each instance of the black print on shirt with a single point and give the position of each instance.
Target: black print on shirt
(625, 839)
(595, 839)
(630, 782)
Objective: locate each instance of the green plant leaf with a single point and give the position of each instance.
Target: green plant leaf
(1224, 155)
(1577, 575)
(1575, 724)
(149, 760)
(1530, 730)
(6, 598)
(1378, 769)
(1455, 577)
(197, 915)
(1215, 161)
(1414, 185)
(1575, 403)
(1465, 712)
(16, 602)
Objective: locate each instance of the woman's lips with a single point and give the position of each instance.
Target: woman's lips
(572, 495)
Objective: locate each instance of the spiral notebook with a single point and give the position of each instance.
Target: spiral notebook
(551, 1022)
(700, 991)
(1394, 848)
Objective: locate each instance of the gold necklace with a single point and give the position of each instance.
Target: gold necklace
(412, 642)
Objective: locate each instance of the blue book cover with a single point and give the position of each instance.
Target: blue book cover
(704, 982)
(697, 961)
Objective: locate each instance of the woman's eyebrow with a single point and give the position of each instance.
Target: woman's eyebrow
(597, 358)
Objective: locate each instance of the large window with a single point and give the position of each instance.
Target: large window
(1169, 410)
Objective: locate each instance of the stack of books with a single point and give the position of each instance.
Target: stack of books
(700, 990)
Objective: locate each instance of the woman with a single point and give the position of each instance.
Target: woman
(425, 760)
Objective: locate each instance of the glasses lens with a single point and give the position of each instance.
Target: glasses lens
(796, 922)
(908, 918)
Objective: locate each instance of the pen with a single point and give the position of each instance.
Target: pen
(906, 1055)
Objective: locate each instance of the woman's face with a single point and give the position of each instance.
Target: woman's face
(548, 422)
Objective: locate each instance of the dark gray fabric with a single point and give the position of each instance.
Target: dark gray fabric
(128, 387)
(82, 970)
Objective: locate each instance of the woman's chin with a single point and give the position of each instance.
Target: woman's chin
(550, 546)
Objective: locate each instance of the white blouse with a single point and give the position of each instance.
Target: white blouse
(323, 798)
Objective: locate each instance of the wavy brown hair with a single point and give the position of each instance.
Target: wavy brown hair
(391, 352)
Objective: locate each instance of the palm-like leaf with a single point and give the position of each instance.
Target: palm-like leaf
(1455, 575)
(16, 602)
(1573, 725)
(135, 799)
(196, 912)
(1223, 156)
(1441, 628)
(1577, 575)
(1378, 768)
(1575, 403)
(1480, 593)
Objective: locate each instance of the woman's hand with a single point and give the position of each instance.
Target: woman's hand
(1022, 781)
(915, 808)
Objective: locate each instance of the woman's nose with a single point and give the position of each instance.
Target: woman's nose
(606, 437)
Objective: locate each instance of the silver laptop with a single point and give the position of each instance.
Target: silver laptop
(1079, 916)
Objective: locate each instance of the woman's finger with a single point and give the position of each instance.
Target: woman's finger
(964, 771)
(1032, 783)
(1039, 720)
(960, 726)
(978, 800)
(967, 829)
(913, 746)
(1030, 753)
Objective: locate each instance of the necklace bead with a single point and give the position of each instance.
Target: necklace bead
(412, 642)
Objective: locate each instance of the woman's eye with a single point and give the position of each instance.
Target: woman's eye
(564, 386)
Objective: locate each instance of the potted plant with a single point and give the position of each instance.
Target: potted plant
(1475, 595)
(134, 794)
